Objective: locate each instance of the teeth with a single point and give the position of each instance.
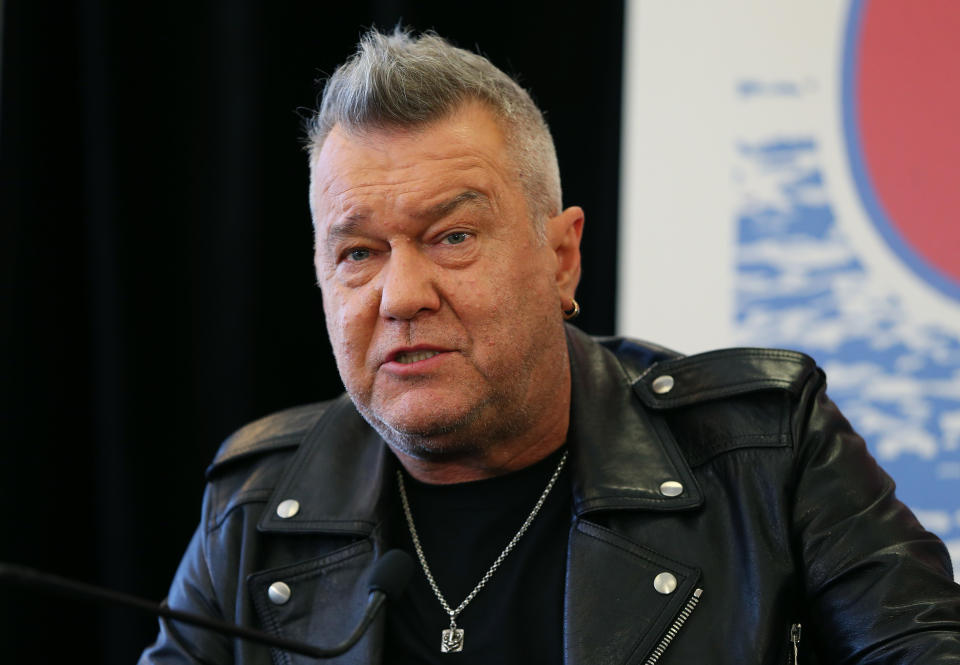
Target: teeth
(415, 356)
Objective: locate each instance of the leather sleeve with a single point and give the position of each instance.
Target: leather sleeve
(191, 591)
(879, 586)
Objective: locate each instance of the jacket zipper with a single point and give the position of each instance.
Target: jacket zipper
(795, 642)
(674, 628)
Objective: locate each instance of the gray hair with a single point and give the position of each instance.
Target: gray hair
(397, 80)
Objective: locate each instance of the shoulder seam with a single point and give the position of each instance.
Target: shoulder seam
(690, 380)
(271, 442)
(278, 431)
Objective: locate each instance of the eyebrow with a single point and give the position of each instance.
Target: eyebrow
(345, 228)
(441, 210)
(351, 225)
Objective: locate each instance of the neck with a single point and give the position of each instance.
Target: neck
(477, 467)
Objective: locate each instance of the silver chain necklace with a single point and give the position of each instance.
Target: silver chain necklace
(451, 639)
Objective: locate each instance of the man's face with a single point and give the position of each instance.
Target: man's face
(442, 306)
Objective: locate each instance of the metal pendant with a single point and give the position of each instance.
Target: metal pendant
(451, 640)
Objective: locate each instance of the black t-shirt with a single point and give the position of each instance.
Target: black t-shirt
(518, 615)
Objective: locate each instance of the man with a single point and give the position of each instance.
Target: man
(567, 499)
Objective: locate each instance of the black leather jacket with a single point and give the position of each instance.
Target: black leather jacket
(773, 514)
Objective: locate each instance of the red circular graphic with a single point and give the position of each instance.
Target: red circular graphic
(908, 88)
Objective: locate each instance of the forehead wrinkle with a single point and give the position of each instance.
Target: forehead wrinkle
(346, 193)
(353, 223)
(348, 209)
(349, 179)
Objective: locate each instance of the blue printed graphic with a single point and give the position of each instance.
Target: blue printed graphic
(800, 283)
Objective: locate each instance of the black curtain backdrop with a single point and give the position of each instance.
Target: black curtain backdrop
(156, 254)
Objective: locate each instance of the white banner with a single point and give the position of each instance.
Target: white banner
(790, 179)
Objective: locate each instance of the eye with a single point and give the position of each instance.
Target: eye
(456, 237)
(358, 254)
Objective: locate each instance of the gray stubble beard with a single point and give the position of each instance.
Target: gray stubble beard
(441, 443)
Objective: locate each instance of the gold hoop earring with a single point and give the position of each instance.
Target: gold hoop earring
(573, 312)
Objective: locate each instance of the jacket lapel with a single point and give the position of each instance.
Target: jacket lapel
(337, 478)
(624, 458)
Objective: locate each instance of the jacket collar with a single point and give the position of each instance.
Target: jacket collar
(621, 454)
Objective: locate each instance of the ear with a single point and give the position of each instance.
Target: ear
(563, 234)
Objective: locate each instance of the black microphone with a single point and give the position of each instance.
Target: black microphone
(388, 578)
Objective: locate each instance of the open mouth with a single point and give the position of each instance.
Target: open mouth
(414, 356)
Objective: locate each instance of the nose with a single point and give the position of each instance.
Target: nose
(408, 287)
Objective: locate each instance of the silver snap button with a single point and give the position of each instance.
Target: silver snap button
(279, 593)
(288, 508)
(665, 583)
(662, 384)
(671, 488)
